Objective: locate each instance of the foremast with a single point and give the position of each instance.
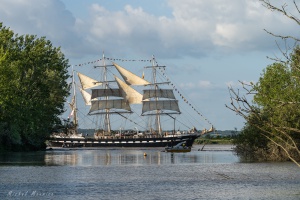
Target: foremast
(108, 99)
(111, 98)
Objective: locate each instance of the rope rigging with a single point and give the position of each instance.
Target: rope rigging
(161, 73)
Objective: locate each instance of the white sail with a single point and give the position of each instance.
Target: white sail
(129, 77)
(129, 94)
(86, 97)
(106, 92)
(109, 104)
(160, 93)
(87, 82)
(160, 105)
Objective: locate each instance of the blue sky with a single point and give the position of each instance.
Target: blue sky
(207, 45)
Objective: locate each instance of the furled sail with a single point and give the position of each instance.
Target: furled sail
(86, 97)
(129, 77)
(212, 129)
(109, 104)
(160, 105)
(130, 94)
(73, 107)
(159, 93)
(87, 82)
(72, 103)
(116, 92)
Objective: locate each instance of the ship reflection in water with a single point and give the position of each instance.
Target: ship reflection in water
(127, 174)
(121, 156)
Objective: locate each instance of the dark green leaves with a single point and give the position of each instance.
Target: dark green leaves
(33, 88)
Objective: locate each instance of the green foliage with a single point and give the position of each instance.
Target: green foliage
(33, 85)
(275, 112)
(278, 92)
(223, 140)
(272, 131)
(250, 144)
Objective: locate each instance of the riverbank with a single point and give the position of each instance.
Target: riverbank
(213, 147)
(227, 141)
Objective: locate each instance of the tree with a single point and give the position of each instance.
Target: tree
(33, 85)
(275, 112)
(250, 145)
(269, 116)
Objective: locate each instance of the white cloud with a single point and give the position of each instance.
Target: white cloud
(229, 34)
(236, 25)
(201, 84)
(195, 28)
(204, 84)
(42, 18)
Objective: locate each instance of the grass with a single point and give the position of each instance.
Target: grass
(213, 141)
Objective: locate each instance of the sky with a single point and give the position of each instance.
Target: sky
(206, 45)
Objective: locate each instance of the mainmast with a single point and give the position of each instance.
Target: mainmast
(107, 127)
(159, 101)
(110, 99)
(157, 119)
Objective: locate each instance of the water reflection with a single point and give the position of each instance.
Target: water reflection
(134, 157)
(22, 158)
(95, 157)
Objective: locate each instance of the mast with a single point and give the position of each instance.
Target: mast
(73, 106)
(75, 120)
(74, 100)
(107, 126)
(159, 100)
(157, 119)
(109, 99)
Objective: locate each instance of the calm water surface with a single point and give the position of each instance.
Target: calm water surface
(128, 174)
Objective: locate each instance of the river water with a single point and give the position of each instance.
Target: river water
(215, 173)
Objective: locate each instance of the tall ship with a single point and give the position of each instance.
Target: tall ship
(130, 111)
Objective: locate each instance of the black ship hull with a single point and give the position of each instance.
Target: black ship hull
(123, 142)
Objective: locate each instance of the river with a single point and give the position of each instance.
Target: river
(113, 174)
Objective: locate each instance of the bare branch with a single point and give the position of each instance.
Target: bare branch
(296, 6)
(268, 5)
(283, 37)
(284, 149)
(283, 139)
